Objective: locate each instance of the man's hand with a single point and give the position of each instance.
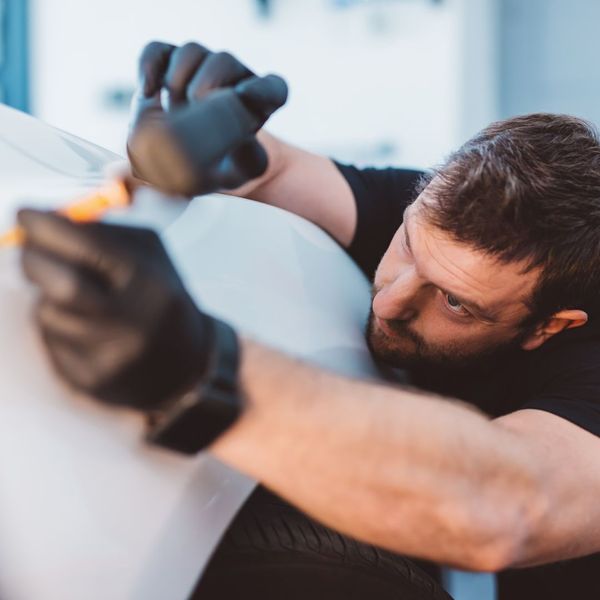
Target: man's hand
(301, 182)
(212, 105)
(180, 75)
(113, 312)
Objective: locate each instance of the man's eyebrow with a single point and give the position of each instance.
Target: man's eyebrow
(481, 311)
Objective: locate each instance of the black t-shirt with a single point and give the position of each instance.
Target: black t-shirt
(561, 377)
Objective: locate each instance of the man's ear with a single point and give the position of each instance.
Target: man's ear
(564, 319)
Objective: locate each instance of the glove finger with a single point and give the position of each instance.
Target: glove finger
(108, 252)
(183, 65)
(263, 95)
(144, 109)
(70, 243)
(101, 358)
(71, 362)
(152, 66)
(220, 69)
(89, 353)
(146, 101)
(66, 323)
(62, 283)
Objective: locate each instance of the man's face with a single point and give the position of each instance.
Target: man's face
(441, 303)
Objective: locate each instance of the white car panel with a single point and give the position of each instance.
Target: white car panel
(87, 510)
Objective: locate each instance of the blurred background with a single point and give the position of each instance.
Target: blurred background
(372, 81)
(376, 82)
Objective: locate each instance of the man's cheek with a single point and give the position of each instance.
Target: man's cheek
(442, 333)
(438, 332)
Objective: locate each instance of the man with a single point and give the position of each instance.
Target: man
(486, 279)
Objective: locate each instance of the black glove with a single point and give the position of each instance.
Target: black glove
(215, 105)
(115, 317)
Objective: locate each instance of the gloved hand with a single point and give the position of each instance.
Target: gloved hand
(205, 139)
(114, 315)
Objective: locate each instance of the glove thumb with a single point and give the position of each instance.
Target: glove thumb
(263, 95)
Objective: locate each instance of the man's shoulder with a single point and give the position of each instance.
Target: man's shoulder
(563, 377)
(381, 196)
(382, 180)
(565, 369)
(573, 350)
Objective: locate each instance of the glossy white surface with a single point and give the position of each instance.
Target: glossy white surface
(86, 509)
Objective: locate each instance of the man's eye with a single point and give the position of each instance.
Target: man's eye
(454, 305)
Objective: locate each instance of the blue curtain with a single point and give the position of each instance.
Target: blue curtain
(14, 54)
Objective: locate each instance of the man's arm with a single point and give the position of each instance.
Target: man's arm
(412, 472)
(306, 184)
(417, 474)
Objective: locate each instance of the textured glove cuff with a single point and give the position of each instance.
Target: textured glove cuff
(197, 418)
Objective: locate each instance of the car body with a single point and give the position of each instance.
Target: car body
(87, 508)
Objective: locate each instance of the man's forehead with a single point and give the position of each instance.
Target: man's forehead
(466, 272)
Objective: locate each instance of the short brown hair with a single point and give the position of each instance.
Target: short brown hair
(528, 188)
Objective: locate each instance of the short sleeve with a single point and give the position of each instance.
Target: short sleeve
(381, 196)
(584, 413)
(569, 384)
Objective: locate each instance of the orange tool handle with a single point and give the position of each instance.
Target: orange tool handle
(89, 208)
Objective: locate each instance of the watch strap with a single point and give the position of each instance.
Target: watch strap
(200, 416)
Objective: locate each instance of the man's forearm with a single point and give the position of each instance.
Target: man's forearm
(305, 184)
(413, 473)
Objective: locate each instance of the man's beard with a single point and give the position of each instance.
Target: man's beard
(407, 350)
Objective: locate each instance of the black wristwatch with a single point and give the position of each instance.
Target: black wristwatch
(193, 421)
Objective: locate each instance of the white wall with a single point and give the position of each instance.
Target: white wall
(383, 82)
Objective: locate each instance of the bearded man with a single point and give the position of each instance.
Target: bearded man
(486, 289)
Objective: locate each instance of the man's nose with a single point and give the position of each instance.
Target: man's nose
(398, 300)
